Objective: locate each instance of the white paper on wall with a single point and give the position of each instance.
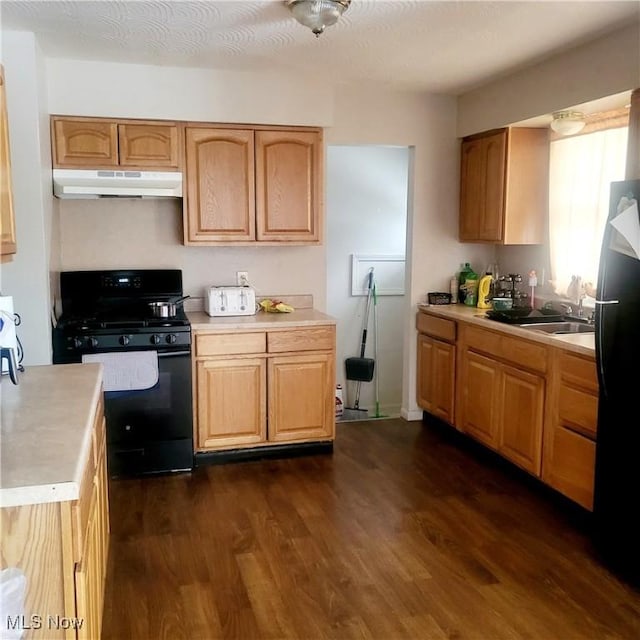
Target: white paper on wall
(627, 225)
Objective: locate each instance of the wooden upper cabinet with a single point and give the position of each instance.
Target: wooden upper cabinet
(96, 143)
(148, 145)
(7, 217)
(253, 185)
(85, 143)
(504, 178)
(288, 185)
(220, 196)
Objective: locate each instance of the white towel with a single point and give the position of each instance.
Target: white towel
(127, 371)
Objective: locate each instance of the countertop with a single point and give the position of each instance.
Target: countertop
(200, 321)
(46, 427)
(582, 343)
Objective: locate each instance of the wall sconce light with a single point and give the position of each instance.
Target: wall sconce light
(567, 122)
(317, 14)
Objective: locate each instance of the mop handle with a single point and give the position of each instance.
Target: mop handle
(366, 314)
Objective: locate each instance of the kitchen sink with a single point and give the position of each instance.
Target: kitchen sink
(560, 327)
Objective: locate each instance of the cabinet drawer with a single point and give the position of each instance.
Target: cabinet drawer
(569, 466)
(527, 354)
(315, 339)
(230, 343)
(436, 327)
(578, 371)
(578, 410)
(514, 350)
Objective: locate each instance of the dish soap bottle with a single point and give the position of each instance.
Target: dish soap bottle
(485, 291)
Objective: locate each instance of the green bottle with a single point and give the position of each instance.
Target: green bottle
(462, 280)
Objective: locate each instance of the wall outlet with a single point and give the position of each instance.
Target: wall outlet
(242, 278)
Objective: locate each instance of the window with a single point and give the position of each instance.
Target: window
(581, 169)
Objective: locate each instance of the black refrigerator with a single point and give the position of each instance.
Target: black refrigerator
(617, 473)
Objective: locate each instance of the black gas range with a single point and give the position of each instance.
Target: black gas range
(106, 317)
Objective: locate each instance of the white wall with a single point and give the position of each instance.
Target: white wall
(603, 67)
(366, 215)
(26, 277)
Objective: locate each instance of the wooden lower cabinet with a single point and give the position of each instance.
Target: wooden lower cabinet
(533, 403)
(436, 377)
(62, 548)
(481, 394)
(571, 428)
(301, 397)
(281, 393)
(522, 406)
(92, 569)
(503, 407)
(231, 402)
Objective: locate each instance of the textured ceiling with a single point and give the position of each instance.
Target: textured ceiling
(447, 47)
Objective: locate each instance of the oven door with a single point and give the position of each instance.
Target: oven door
(151, 431)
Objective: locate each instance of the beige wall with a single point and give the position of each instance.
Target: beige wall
(603, 67)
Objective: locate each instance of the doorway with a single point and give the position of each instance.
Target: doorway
(366, 209)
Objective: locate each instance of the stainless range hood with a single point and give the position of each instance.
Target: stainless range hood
(104, 183)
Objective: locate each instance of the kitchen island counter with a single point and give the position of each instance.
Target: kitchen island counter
(581, 343)
(47, 423)
(201, 321)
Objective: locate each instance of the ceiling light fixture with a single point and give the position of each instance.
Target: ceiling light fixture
(317, 14)
(568, 122)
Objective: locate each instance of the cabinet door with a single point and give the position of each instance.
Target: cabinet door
(80, 143)
(480, 398)
(288, 185)
(522, 410)
(220, 195)
(424, 373)
(231, 402)
(494, 155)
(482, 188)
(7, 219)
(471, 189)
(301, 397)
(148, 145)
(436, 377)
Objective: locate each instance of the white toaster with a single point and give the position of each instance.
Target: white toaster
(231, 301)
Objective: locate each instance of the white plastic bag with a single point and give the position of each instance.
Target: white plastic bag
(13, 584)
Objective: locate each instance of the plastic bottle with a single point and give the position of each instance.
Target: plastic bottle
(453, 289)
(462, 279)
(471, 289)
(485, 291)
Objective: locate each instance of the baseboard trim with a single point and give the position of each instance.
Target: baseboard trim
(411, 415)
(204, 458)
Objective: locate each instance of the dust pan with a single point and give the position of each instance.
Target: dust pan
(361, 368)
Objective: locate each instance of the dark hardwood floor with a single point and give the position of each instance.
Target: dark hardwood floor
(405, 531)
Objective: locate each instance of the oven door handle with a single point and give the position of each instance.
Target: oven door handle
(173, 354)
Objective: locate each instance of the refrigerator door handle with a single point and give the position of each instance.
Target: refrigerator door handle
(607, 301)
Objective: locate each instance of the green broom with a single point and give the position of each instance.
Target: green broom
(375, 347)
